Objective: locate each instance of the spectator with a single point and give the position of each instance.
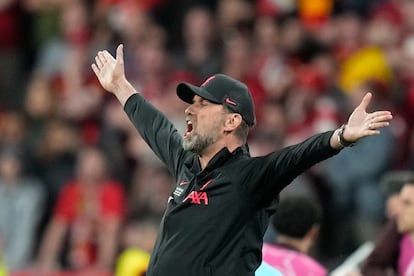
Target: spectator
(90, 208)
(405, 222)
(20, 197)
(297, 224)
(199, 52)
(394, 249)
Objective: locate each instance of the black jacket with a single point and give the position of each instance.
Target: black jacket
(216, 217)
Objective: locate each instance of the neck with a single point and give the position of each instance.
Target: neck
(299, 244)
(212, 150)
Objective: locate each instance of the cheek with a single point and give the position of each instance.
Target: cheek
(410, 216)
(205, 122)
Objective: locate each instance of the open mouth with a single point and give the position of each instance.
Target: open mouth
(189, 128)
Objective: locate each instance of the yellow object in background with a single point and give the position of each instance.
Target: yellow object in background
(367, 64)
(132, 262)
(3, 269)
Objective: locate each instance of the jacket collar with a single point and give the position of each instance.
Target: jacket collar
(218, 160)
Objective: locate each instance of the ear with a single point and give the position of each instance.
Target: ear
(313, 232)
(232, 121)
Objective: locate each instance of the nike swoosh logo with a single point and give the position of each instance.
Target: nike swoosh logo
(184, 183)
(230, 101)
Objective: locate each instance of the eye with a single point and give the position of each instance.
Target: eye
(204, 102)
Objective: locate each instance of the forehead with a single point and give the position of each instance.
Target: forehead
(407, 192)
(197, 98)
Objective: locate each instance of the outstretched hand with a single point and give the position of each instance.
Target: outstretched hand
(362, 124)
(109, 70)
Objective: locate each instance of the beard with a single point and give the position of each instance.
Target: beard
(198, 143)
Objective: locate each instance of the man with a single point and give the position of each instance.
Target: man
(89, 211)
(20, 197)
(393, 253)
(405, 223)
(296, 222)
(220, 208)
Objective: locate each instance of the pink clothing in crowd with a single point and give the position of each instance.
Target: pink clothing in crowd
(290, 262)
(406, 258)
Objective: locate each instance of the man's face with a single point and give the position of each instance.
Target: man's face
(405, 216)
(204, 125)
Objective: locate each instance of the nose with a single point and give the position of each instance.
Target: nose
(189, 109)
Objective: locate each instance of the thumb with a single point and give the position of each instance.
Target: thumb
(120, 54)
(365, 101)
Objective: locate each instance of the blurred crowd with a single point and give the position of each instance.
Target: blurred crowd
(79, 188)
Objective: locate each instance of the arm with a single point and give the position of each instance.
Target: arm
(51, 244)
(54, 236)
(280, 168)
(154, 127)
(113, 209)
(108, 242)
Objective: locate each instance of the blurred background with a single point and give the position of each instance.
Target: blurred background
(80, 191)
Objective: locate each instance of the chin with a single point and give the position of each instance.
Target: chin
(401, 228)
(188, 146)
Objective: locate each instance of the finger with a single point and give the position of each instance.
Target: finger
(120, 54)
(95, 69)
(373, 132)
(382, 118)
(374, 126)
(379, 113)
(98, 62)
(107, 56)
(365, 101)
(102, 58)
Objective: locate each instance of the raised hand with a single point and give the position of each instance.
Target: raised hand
(110, 71)
(362, 124)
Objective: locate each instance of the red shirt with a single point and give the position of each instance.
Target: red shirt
(86, 211)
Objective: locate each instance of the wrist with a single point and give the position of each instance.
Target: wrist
(342, 140)
(123, 90)
(120, 85)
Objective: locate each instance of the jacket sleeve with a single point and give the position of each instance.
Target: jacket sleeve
(280, 168)
(157, 131)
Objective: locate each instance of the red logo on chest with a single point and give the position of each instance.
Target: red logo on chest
(197, 198)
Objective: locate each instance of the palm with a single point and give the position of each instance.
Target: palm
(357, 118)
(109, 71)
(362, 124)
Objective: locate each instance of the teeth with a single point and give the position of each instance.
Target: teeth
(189, 126)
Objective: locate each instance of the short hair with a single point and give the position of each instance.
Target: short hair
(242, 130)
(393, 181)
(295, 216)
